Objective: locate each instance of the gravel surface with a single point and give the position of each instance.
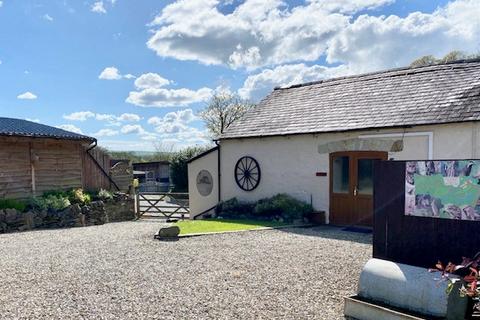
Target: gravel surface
(117, 271)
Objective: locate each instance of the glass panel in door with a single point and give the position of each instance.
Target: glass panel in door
(341, 174)
(365, 176)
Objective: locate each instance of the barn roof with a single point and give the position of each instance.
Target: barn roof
(24, 128)
(436, 94)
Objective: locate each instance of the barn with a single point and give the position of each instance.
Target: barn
(35, 158)
(318, 141)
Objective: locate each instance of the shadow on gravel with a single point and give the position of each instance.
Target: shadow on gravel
(331, 232)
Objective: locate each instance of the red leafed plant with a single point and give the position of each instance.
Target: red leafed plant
(468, 271)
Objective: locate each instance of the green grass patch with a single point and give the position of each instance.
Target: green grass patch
(220, 225)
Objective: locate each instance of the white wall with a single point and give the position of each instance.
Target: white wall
(289, 163)
(199, 203)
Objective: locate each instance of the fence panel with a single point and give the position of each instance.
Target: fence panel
(122, 174)
(418, 241)
(93, 177)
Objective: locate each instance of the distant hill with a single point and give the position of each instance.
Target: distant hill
(140, 156)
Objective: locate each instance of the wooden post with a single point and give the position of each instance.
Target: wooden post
(32, 169)
(137, 205)
(34, 188)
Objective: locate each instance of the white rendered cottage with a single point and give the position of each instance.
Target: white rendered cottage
(316, 141)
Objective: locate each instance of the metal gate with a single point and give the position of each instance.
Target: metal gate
(162, 205)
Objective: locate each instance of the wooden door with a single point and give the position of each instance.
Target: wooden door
(351, 187)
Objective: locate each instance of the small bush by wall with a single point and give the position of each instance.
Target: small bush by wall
(235, 209)
(12, 204)
(282, 205)
(279, 207)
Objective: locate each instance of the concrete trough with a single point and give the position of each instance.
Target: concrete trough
(389, 290)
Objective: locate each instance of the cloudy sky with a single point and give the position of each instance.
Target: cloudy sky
(132, 73)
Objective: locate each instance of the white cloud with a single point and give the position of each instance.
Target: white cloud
(1, 4)
(70, 127)
(105, 117)
(106, 133)
(173, 128)
(257, 33)
(351, 6)
(153, 97)
(110, 118)
(33, 120)
(151, 80)
(173, 122)
(129, 117)
(98, 7)
(79, 116)
(110, 73)
(133, 128)
(372, 43)
(259, 85)
(269, 33)
(27, 96)
(47, 17)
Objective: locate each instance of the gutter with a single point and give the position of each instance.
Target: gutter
(219, 172)
(99, 166)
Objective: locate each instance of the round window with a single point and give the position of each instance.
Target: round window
(204, 183)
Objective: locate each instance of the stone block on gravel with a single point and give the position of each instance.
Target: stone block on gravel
(168, 232)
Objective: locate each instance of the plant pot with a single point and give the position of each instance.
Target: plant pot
(316, 217)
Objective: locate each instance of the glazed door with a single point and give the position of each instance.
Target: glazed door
(351, 187)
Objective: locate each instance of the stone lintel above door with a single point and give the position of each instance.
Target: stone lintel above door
(367, 144)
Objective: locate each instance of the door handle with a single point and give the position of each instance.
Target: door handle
(355, 191)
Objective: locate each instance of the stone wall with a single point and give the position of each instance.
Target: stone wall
(121, 208)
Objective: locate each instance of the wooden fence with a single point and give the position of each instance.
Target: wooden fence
(122, 174)
(31, 166)
(93, 176)
(418, 241)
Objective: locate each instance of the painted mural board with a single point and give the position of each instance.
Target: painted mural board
(443, 189)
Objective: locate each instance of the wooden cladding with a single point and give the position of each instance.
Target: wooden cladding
(32, 166)
(93, 177)
(15, 169)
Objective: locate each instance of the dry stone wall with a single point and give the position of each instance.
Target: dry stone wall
(95, 213)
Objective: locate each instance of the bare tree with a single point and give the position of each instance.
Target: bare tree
(163, 151)
(223, 109)
(449, 57)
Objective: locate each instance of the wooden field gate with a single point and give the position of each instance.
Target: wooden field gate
(162, 205)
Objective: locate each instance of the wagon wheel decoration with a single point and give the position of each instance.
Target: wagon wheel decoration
(247, 173)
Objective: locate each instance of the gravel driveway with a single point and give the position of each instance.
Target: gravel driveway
(117, 271)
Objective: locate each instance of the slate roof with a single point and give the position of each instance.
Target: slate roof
(24, 128)
(435, 94)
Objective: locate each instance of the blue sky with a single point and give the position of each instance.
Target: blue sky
(135, 73)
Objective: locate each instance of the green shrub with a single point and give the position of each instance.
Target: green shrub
(79, 196)
(51, 201)
(282, 205)
(279, 206)
(235, 209)
(105, 195)
(179, 168)
(55, 193)
(12, 204)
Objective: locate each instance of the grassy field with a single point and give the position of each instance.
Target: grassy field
(218, 225)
